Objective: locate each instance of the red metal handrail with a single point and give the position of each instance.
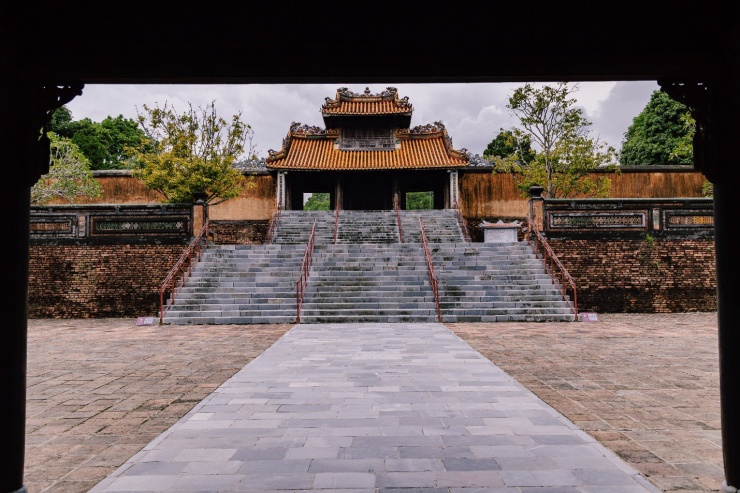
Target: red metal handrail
(300, 286)
(336, 222)
(554, 267)
(430, 268)
(182, 269)
(398, 220)
(273, 224)
(461, 221)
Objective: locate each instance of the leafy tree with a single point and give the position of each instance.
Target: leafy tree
(419, 200)
(505, 145)
(566, 153)
(193, 153)
(657, 133)
(69, 175)
(317, 202)
(108, 144)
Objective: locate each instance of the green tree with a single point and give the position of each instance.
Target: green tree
(566, 154)
(109, 144)
(69, 175)
(506, 145)
(419, 200)
(193, 153)
(317, 202)
(657, 133)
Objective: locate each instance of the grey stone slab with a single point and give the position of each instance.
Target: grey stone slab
(386, 406)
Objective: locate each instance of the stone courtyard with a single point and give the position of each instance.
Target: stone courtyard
(644, 386)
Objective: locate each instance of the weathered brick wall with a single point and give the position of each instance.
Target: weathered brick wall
(641, 276)
(94, 281)
(239, 232)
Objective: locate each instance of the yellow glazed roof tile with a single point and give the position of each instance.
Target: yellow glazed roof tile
(420, 148)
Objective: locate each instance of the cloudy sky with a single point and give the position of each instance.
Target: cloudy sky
(473, 113)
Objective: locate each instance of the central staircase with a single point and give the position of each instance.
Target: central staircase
(375, 271)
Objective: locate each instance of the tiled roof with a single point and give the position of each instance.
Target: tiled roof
(350, 103)
(419, 148)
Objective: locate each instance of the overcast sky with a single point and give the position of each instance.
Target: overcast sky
(473, 113)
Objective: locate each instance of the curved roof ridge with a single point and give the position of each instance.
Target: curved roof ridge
(347, 102)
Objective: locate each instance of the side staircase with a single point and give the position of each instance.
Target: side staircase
(369, 275)
(490, 282)
(240, 284)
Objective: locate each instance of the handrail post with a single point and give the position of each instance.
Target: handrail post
(554, 267)
(179, 268)
(398, 220)
(430, 269)
(300, 287)
(336, 222)
(461, 222)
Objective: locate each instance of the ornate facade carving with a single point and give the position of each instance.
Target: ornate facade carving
(45, 99)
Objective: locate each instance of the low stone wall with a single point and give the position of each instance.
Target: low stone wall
(641, 275)
(95, 281)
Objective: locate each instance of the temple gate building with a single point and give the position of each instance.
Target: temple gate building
(368, 157)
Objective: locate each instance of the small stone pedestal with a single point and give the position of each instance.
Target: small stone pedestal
(500, 232)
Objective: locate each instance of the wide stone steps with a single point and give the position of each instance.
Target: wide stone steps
(369, 276)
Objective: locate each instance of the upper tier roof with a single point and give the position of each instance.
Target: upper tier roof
(347, 103)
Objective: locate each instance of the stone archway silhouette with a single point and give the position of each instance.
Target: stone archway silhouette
(48, 53)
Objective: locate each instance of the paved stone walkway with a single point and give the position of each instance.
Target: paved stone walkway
(373, 408)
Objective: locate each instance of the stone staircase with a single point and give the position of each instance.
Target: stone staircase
(240, 284)
(368, 276)
(368, 283)
(294, 227)
(440, 226)
(491, 282)
(367, 227)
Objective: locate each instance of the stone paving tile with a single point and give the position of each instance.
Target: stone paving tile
(670, 359)
(430, 370)
(99, 390)
(644, 385)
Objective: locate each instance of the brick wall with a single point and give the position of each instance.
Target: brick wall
(641, 276)
(239, 232)
(94, 281)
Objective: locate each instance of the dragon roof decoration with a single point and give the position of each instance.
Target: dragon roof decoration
(344, 95)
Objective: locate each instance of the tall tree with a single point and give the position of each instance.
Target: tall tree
(69, 176)
(656, 133)
(566, 154)
(108, 144)
(193, 153)
(506, 145)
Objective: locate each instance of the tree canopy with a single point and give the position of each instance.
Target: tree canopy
(318, 201)
(505, 144)
(69, 176)
(419, 200)
(660, 135)
(109, 144)
(193, 153)
(562, 153)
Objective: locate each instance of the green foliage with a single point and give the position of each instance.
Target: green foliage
(660, 135)
(506, 145)
(566, 153)
(317, 202)
(69, 175)
(419, 200)
(707, 189)
(193, 153)
(109, 144)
